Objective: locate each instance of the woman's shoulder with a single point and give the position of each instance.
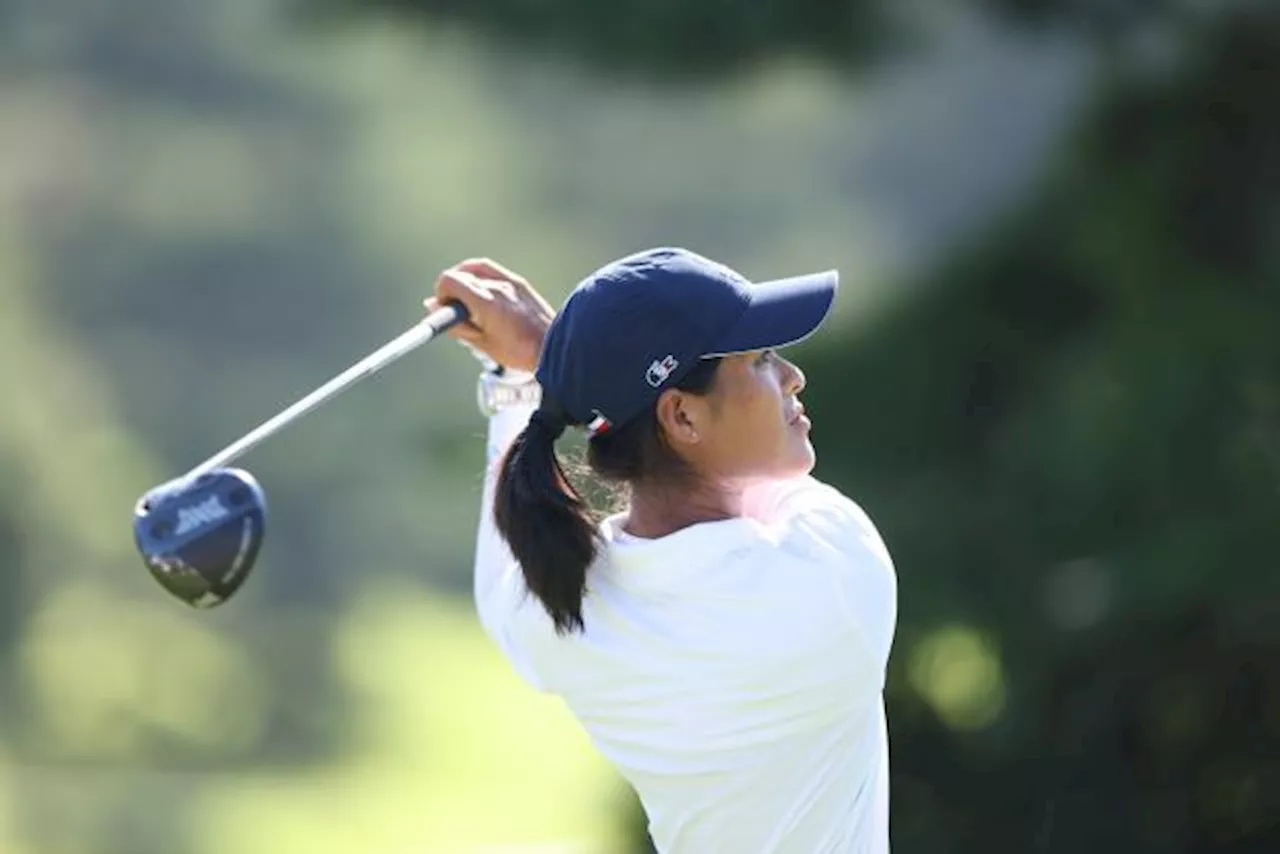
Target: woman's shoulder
(811, 506)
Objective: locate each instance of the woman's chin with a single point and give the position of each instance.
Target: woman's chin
(801, 460)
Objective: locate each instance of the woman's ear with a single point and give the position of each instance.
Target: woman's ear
(679, 415)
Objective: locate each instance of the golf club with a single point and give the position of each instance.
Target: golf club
(200, 533)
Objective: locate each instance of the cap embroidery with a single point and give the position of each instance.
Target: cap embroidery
(598, 425)
(661, 370)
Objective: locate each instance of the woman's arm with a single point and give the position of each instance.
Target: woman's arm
(496, 574)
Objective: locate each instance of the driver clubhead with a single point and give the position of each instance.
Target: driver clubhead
(199, 537)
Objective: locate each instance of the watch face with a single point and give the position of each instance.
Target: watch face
(495, 394)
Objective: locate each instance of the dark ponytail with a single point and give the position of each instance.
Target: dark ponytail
(546, 522)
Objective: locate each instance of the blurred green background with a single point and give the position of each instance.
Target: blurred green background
(1050, 380)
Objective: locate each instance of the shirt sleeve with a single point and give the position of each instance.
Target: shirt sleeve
(499, 588)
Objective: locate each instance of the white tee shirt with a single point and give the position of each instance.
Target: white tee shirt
(732, 672)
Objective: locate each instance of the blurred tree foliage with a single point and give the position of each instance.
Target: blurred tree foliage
(656, 37)
(1072, 443)
(681, 40)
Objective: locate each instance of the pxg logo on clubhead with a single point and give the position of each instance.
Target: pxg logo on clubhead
(199, 538)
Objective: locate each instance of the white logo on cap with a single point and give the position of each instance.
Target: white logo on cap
(661, 370)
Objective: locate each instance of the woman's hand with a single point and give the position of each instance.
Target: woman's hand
(507, 318)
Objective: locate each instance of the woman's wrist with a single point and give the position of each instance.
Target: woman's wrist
(532, 348)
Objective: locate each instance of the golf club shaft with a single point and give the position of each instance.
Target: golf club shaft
(433, 325)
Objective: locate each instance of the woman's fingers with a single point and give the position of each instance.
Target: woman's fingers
(489, 268)
(507, 319)
(455, 286)
(463, 287)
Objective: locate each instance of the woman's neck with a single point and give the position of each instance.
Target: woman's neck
(660, 509)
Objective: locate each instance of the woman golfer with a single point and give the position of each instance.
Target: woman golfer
(723, 636)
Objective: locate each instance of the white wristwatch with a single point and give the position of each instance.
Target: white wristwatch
(500, 387)
(503, 388)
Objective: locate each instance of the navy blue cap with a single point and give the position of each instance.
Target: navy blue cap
(638, 325)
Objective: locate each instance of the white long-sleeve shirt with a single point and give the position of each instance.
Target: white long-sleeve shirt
(732, 672)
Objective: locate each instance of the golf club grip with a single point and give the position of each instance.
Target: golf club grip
(433, 325)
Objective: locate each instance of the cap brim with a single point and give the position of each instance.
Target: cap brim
(781, 313)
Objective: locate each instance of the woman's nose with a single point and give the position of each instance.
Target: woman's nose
(793, 379)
